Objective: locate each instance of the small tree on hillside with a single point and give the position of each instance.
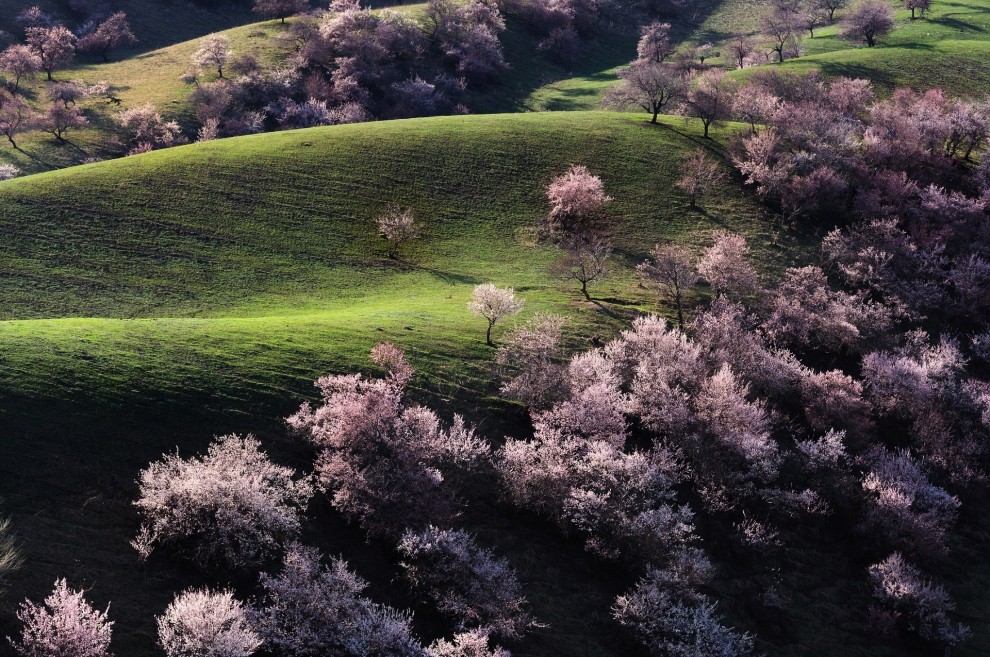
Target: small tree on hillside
(15, 117)
(647, 84)
(204, 623)
(669, 271)
(280, 8)
(20, 62)
(654, 43)
(710, 98)
(214, 52)
(577, 201)
(830, 6)
(111, 33)
(585, 260)
(867, 22)
(740, 48)
(232, 507)
(725, 266)
(465, 581)
(64, 626)
(920, 6)
(398, 226)
(59, 119)
(494, 303)
(699, 175)
(54, 45)
(782, 27)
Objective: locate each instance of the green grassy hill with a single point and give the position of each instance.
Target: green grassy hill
(159, 299)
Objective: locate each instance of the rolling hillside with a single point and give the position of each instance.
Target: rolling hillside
(163, 298)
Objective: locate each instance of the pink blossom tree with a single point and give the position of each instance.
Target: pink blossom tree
(473, 643)
(465, 581)
(699, 176)
(205, 623)
(904, 507)
(55, 46)
(921, 6)
(650, 85)
(398, 226)
(925, 605)
(868, 21)
(577, 201)
(21, 62)
(312, 610)
(585, 260)
(671, 624)
(494, 304)
(232, 507)
(59, 119)
(725, 265)
(655, 44)
(528, 361)
(65, 625)
(112, 33)
(214, 52)
(709, 98)
(386, 464)
(670, 271)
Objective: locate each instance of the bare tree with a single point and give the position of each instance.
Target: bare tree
(649, 85)
(669, 271)
(699, 174)
(585, 259)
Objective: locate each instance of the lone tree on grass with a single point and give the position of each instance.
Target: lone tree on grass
(494, 303)
(921, 6)
(867, 22)
(398, 226)
(280, 8)
(648, 84)
(699, 174)
(669, 271)
(214, 52)
(577, 201)
(585, 259)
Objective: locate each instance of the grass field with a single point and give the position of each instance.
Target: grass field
(159, 299)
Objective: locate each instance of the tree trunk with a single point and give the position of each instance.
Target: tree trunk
(584, 290)
(656, 113)
(912, 13)
(12, 142)
(869, 40)
(488, 335)
(104, 55)
(49, 72)
(680, 310)
(706, 124)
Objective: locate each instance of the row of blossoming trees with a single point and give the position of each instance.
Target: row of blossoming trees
(344, 64)
(837, 400)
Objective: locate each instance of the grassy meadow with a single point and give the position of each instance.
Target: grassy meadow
(155, 301)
